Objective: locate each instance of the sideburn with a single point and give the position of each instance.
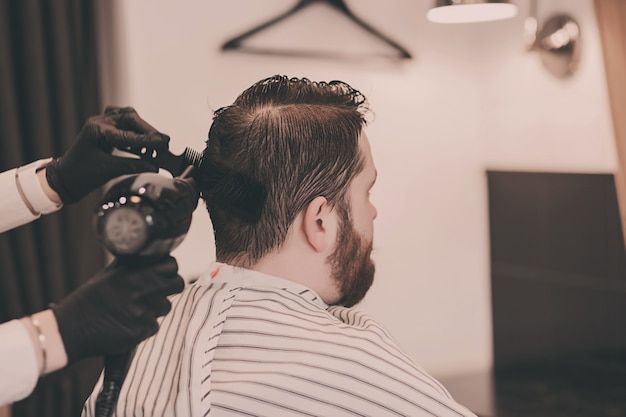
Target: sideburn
(351, 264)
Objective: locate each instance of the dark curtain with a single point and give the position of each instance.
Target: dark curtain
(48, 88)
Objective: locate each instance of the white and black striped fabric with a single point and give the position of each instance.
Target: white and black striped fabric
(241, 343)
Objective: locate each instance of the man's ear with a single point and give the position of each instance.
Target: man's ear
(319, 224)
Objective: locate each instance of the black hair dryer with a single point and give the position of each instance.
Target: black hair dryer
(141, 218)
(146, 215)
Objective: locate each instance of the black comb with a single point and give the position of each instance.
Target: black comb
(165, 159)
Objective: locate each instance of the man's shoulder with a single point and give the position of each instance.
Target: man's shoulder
(357, 320)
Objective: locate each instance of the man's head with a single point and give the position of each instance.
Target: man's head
(283, 145)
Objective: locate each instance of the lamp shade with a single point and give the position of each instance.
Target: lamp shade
(469, 11)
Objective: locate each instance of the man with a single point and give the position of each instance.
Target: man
(269, 331)
(118, 307)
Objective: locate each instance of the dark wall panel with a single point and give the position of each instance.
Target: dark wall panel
(558, 266)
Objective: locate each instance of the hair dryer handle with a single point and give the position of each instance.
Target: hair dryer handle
(115, 370)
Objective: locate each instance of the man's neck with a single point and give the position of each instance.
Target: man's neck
(309, 271)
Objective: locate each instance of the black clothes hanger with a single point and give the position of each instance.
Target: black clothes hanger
(235, 43)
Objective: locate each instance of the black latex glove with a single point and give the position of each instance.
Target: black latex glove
(88, 164)
(117, 308)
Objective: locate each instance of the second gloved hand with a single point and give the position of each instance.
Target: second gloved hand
(117, 308)
(88, 164)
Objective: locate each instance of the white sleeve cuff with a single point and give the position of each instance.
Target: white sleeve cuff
(18, 363)
(29, 183)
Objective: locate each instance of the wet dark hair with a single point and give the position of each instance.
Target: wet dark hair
(282, 143)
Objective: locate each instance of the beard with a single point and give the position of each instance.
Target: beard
(352, 268)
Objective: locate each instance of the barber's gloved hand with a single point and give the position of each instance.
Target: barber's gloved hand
(88, 164)
(117, 308)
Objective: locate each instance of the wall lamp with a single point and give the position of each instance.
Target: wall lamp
(470, 11)
(558, 41)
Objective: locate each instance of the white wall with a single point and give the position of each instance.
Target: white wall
(535, 122)
(471, 98)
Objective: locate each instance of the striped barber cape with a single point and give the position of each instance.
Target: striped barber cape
(241, 343)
